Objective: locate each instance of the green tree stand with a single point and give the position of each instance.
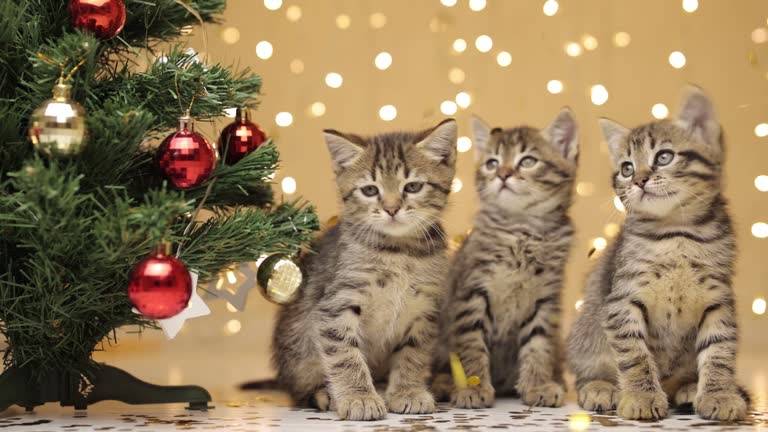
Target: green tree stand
(17, 387)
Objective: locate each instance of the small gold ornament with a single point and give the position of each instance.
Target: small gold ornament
(57, 127)
(279, 278)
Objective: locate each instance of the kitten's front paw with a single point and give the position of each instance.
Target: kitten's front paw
(723, 406)
(598, 396)
(643, 405)
(411, 402)
(546, 395)
(481, 396)
(366, 406)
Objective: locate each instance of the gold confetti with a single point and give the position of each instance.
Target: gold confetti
(473, 381)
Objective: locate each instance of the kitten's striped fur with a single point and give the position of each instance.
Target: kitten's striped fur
(503, 314)
(368, 309)
(658, 319)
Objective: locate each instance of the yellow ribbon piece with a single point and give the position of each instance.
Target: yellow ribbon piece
(457, 370)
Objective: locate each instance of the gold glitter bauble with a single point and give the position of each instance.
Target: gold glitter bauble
(279, 278)
(57, 127)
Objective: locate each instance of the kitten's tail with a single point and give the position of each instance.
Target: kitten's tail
(268, 384)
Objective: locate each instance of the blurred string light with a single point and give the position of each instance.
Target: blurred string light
(611, 229)
(230, 35)
(234, 326)
(377, 20)
(690, 6)
(761, 130)
(555, 87)
(296, 66)
(677, 59)
(599, 94)
(618, 204)
(456, 75)
(383, 60)
(334, 80)
(284, 119)
(760, 230)
(760, 35)
(550, 7)
(585, 189)
(293, 13)
(343, 21)
(456, 185)
(573, 49)
(589, 42)
(622, 39)
(477, 5)
(273, 4)
(264, 50)
(578, 304)
(448, 3)
(463, 99)
(317, 109)
(599, 243)
(463, 144)
(483, 43)
(504, 59)
(231, 307)
(448, 107)
(761, 183)
(660, 111)
(459, 45)
(231, 277)
(758, 306)
(388, 112)
(289, 185)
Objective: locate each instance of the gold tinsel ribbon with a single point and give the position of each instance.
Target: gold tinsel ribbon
(199, 18)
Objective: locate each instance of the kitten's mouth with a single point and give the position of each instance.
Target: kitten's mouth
(652, 196)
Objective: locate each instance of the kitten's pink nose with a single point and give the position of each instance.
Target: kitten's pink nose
(504, 173)
(392, 210)
(641, 183)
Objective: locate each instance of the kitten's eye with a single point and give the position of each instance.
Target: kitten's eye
(664, 157)
(413, 187)
(627, 169)
(492, 164)
(528, 162)
(369, 190)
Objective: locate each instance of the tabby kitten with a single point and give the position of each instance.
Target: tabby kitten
(658, 320)
(502, 318)
(368, 309)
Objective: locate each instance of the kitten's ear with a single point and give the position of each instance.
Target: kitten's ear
(615, 135)
(482, 133)
(563, 134)
(697, 115)
(440, 143)
(344, 152)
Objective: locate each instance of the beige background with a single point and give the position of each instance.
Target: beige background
(721, 57)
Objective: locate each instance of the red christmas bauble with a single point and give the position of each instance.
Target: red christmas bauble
(240, 137)
(186, 157)
(103, 18)
(160, 286)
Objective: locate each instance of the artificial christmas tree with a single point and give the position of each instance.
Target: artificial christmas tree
(73, 227)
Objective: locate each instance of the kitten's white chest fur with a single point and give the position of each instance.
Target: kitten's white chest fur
(397, 295)
(675, 297)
